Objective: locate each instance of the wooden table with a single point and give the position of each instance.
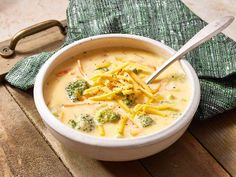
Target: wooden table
(27, 148)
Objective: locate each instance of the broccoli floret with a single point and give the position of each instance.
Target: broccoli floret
(107, 115)
(55, 111)
(72, 123)
(84, 122)
(136, 71)
(105, 69)
(178, 77)
(75, 89)
(145, 120)
(129, 100)
(171, 97)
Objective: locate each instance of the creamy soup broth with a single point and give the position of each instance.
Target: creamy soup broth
(167, 97)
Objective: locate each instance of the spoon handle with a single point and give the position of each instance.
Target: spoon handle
(202, 36)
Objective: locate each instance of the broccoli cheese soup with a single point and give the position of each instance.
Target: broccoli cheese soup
(103, 93)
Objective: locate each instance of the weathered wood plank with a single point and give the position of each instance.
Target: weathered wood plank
(5, 169)
(218, 135)
(77, 164)
(23, 152)
(202, 163)
(183, 159)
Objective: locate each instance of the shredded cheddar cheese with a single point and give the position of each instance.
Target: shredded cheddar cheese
(122, 80)
(107, 96)
(103, 65)
(121, 127)
(124, 106)
(140, 81)
(101, 130)
(92, 90)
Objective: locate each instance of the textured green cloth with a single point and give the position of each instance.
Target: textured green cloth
(164, 20)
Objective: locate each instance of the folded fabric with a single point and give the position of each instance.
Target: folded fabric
(168, 21)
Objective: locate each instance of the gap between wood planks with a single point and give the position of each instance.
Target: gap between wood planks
(217, 135)
(212, 155)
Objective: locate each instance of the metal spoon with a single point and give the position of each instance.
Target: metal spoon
(202, 36)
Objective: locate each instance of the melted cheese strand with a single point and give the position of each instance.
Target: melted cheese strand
(150, 110)
(101, 130)
(124, 106)
(164, 107)
(103, 65)
(107, 96)
(122, 124)
(119, 68)
(140, 81)
(92, 90)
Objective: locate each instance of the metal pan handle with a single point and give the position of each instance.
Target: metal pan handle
(8, 51)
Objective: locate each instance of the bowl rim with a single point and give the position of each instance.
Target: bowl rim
(78, 136)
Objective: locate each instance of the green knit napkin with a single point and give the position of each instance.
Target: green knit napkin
(164, 20)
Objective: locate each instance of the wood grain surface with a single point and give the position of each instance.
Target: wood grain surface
(77, 164)
(186, 153)
(218, 136)
(23, 152)
(185, 158)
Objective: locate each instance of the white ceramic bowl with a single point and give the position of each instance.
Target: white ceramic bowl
(106, 148)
